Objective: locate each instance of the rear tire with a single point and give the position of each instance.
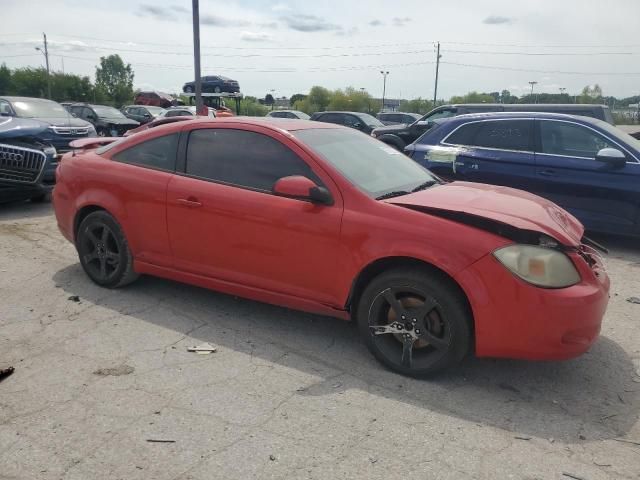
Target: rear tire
(40, 198)
(414, 321)
(104, 252)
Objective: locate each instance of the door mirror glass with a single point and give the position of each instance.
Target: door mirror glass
(297, 186)
(424, 125)
(147, 115)
(611, 156)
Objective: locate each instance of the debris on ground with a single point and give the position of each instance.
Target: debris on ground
(517, 437)
(156, 440)
(204, 349)
(571, 475)
(272, 458)
(633, 300)
(5, 372)
(114, 371)
(625, 441)
(74, 298)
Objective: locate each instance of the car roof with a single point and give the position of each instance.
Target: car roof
(22, 99)
(286, 124)
(507, 115)
(340, 111)
(584, 106)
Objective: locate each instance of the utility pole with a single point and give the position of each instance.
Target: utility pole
(562, 90)
(384, 87)
(45, 52)
(196, 55)
(532, 84)
(62, 64)
(435, 90)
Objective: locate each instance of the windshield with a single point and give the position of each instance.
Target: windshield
(369, 164)
(39, 109)
(371, 121)
(302, 115)
(107, 112)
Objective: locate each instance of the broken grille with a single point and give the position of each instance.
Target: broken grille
(21, 165)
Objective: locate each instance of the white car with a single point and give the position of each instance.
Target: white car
(288, 114)
(184, 111)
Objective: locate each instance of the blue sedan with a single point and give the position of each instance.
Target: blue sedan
(588, 167)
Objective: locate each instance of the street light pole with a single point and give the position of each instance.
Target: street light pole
(196, 55)
(384, 86)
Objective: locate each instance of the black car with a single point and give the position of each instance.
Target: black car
(399, 136)
(142, 113)
(360, 121)
(62, 129)
(108, 121)
(397, 118)
(213, 84)
(27, 165)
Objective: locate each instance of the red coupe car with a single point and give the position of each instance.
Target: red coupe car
(325, 219)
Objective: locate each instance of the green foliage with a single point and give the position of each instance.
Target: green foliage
(114, 80)
(29, 82)
(268, 99)
(591, 94)
(417, 105)
(473, 97)
(318, 98)
(249, 106)
(296, 97)
(5, 80)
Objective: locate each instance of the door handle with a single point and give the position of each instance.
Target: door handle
(547, 173)
(190, 202)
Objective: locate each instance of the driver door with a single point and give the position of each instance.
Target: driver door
(225, 222)
(600, 195)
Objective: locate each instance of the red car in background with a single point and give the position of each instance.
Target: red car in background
(156, 99)
(323, 218)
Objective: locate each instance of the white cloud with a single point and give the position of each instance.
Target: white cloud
(281, 7)
(256, 36)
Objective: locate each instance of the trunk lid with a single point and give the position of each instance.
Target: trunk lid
(505, 205)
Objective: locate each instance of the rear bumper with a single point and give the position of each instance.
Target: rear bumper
(517, 320)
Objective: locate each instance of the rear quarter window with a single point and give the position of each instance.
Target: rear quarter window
(157, 153)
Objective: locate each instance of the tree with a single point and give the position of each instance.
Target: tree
(115, 79)
(5, 79)
(591, 94)
(296, 97)
(473, 97)
(417, 105)
(268, 99)
(318, 98)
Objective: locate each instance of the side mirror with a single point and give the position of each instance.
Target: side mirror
(612, 156)
(302, 188)
(357, 125)
(147, 115)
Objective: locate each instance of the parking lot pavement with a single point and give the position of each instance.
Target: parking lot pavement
(286, 394)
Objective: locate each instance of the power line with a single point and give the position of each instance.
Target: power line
(493, 67)
(548, 54)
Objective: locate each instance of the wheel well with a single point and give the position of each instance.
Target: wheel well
(81, 215)
(384, 264)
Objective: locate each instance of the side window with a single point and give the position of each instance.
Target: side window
(351, 120)
(561, 138)
(242, 158)
(441, 114)
(5, 109)
(331, 118)
(500, 134)
(159, 152)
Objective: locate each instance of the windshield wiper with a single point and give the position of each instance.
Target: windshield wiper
(425, 185)
(397, 193)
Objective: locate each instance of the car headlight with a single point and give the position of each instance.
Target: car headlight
(51, 150)
(544, 267)
(92, 131)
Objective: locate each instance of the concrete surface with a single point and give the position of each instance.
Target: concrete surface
(286, 395)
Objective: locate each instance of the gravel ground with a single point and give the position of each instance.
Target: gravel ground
(287, 394)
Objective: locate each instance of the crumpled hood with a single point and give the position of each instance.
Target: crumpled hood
(13, 127)
(509, 206)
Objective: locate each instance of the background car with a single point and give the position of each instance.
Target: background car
(156, 123)
(27, 166)
(185, 111)
(62, 129)
(213, 84)
(398, 118)
(587, 166)
(399, 136)
(320, 218)
(142, 113)
(360, 121)
(108, 121)
(288, 114)
(153, 98)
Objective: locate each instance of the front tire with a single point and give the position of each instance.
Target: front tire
(414, 321)
(104, 252)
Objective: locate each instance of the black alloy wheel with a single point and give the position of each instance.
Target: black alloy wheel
(415, 322)
(104, 252)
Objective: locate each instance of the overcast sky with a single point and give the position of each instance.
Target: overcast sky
(290, 45)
